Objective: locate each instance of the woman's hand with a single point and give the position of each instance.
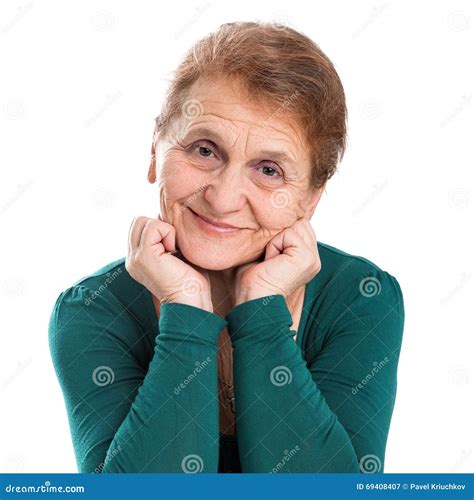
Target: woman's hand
(281, 273)
(152, 261)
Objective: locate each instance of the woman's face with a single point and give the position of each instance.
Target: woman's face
(237, 163)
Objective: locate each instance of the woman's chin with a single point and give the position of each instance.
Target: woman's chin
(209, 261)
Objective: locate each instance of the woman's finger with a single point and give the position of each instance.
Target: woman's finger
(135, 232)
(155, 232)
(304, 228)
(284, 239)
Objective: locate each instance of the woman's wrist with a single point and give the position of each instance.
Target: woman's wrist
(252, 294)
(200, 301)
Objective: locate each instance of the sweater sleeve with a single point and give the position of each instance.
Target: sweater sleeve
(125, 416)
(332, 413)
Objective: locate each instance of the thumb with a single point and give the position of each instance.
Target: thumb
(281, 243)
(169, 240)
(274, 247)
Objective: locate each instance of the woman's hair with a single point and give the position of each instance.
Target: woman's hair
(276, 65)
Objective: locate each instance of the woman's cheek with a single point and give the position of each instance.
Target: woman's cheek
(176, 180)
(288, 206)
(274, 218)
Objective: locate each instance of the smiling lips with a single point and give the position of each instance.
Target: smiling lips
(213, 228)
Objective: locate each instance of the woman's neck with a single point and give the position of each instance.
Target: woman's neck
(223, 292)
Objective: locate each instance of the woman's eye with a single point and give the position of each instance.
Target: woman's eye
(203, 150)
(269, 171)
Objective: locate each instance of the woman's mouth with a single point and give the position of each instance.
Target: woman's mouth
(210, 228)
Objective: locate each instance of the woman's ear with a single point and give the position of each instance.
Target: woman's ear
(152, 167)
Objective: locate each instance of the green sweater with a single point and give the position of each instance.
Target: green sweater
(141, 392)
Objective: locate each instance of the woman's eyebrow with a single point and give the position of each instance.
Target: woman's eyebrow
(204, 131)
(277, 155)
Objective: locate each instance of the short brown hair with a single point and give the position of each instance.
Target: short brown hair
(276, 64)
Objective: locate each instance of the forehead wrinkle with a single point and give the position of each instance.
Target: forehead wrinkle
(217, 124)
(264, 149)
(237, 96)
(294, 139)
(248, 123)
(286, 149)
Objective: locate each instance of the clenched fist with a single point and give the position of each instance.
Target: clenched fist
(154, 261)
(291, 260)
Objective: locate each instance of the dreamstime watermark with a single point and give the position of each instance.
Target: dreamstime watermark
(103, 21)
(465, 277)
(191, 287)
(13, 463)
(188, 202)
(191, 109)
(370, 109)
(20, 13)
(377, 189)
(196, 14)
(103, 375)
(458, 198)
(465, 454)
(109, 100)
(458, 21)
(370, 464)
(459, 375)
(14, 286)
(191, 464)
(378, 365)
(280, 198)
(288, 455)
(47, 487)
(280, 20)
(283, 106)
(199, 367)
(281, 375)
(14, 109)
(267, 300)
(21, 366)
(110, 455)
(21, 188)
(103, 198)
(370, 286)
(377, 10)
(110, 278)
(465, 100)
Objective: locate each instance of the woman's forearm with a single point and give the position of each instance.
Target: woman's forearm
(283, 422)
(172, 425)
(127, 417)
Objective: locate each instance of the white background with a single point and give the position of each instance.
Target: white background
(80, 85)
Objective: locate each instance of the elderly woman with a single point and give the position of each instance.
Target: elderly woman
(180, 357)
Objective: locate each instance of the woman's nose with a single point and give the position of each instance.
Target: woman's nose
(226, 190)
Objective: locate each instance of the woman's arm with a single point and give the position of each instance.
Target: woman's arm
(127, 417)
(332, 414)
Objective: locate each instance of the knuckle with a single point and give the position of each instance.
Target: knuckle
(137, 257)
(150, 222)
(316, 267)
(129, 266)
(138, 220)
